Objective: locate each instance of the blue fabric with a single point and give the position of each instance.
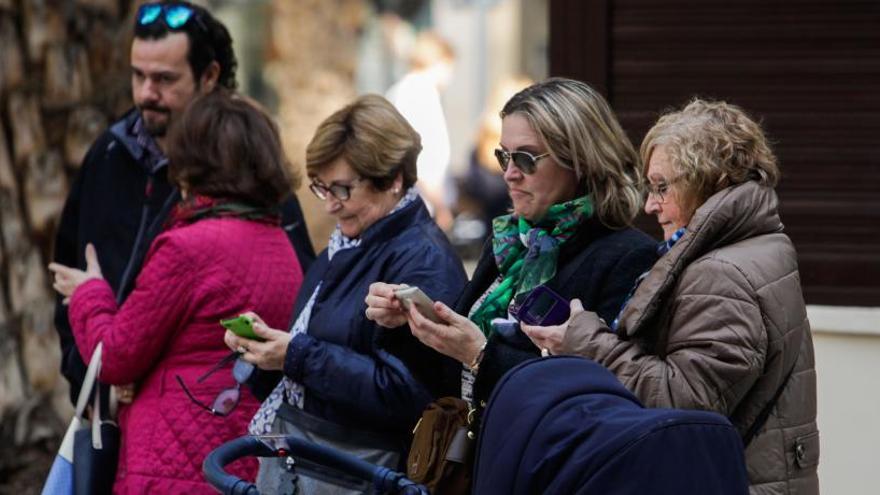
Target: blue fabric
(577, 429)
(666, 245)
(356, 373)
(60, 479)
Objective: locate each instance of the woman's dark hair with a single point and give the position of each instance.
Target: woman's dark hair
(209, 41)
(225, 146)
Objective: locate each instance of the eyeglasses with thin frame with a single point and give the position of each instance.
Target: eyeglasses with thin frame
(340, 191)
(660, 190)
(175, 15)
(228, 398)
(526, 162)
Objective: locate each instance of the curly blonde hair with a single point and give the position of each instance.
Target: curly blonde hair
(713, 145)
(582, 132)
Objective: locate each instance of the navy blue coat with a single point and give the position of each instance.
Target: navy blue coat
(356, 373)
(597, 265)
(567, 425)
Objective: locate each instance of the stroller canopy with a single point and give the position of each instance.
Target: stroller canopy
(567, 425)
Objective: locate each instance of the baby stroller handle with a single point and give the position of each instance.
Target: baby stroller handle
(384, 480)
(227, 453)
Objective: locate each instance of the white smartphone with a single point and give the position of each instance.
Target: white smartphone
(414, 295)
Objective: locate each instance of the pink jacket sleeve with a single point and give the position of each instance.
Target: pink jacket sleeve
(135, 334)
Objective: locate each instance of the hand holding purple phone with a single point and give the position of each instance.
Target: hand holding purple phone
(543, 307)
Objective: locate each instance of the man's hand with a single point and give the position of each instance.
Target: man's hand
(68, 279)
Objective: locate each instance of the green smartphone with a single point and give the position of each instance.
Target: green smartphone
(243, 326)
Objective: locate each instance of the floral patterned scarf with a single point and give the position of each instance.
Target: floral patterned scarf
(526, 254)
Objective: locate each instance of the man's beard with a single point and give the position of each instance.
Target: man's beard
(156, 128)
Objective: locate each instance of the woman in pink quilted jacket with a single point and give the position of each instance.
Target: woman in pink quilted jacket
(223, 253)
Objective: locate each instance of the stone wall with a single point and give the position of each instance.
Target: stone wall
(63, 76)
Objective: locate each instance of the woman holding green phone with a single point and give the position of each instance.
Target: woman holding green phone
(347, 382)
(223, 252)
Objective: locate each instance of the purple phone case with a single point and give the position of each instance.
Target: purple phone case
(543, 307)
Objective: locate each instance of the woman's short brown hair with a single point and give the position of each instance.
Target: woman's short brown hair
(373, 137)
(226, 146)
(713, 145)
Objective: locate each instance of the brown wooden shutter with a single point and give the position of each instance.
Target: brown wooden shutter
(808, 70)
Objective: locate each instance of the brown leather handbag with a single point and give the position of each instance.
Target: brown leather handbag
(441, 454)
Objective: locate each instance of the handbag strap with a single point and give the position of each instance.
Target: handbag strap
(91, 378)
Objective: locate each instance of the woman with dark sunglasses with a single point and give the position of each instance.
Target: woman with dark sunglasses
(223, 252)
(573, 180)
(348, 383)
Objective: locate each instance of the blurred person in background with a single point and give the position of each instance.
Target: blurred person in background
(719, 323)
(417, 97)
(482, 191)
(222, 253)
(349, 383)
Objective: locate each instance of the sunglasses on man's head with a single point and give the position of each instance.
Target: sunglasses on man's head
(174, 15)
(526, 162)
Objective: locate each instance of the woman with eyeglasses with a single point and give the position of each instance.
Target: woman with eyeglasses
(719, 323)
(347, 382)
(572, 176)
(223, 252)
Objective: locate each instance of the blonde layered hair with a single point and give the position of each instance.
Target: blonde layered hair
(713, 145)
(373, 137)
(580, 131)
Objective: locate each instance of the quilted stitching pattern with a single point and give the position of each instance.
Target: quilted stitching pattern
(193, 276)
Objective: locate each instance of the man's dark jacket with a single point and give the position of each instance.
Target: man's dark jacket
(119, 205)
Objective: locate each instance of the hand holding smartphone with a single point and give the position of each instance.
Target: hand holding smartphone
(413, 295)
(543, 307)
(243, 326)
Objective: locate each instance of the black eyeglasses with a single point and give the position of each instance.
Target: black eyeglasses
(175, 15)
(661, 189)
(228, 398)
(342, 192)
(526, 162)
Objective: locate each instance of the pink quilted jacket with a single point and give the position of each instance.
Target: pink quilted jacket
(193, 276)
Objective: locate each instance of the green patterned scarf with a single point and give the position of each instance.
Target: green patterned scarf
(526, 254)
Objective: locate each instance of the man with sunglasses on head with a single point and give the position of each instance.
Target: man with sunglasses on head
(122, 197)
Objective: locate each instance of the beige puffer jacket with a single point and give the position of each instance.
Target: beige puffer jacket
(717, 325)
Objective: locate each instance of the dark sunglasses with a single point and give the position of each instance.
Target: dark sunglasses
(526, 162)
(175, 15)
(339, 191)
(228, 398)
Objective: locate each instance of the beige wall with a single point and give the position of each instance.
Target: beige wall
(847, 343)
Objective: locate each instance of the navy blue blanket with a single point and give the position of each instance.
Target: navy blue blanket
(567, 425)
